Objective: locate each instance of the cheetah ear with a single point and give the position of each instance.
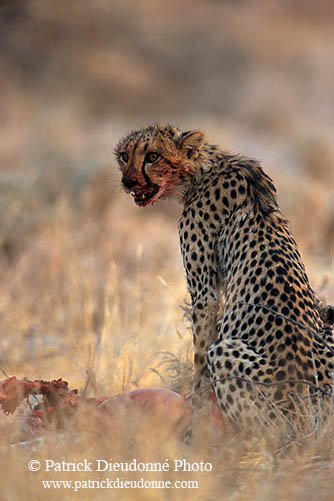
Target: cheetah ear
(191, 142)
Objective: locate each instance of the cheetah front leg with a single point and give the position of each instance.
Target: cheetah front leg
(204, 317)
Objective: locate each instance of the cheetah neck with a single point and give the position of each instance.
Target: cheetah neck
(203, 164)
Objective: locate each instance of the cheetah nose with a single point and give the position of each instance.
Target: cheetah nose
(129, 183)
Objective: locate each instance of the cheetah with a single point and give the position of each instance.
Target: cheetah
(269, 348)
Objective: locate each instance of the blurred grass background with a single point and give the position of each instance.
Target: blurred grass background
(91, 286)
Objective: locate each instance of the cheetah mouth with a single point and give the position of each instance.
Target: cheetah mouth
(145, 196)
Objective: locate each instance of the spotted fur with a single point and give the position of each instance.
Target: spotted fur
(270, 342)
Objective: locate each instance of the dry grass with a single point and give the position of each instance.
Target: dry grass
(91, 287)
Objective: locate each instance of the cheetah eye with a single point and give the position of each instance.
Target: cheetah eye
(151, 157)
(124, 157)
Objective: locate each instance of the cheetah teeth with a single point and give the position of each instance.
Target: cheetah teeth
(142, 196)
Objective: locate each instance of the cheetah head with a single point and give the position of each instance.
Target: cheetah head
(155, 161)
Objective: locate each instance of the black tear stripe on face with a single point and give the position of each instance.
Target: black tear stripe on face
(147, 179)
